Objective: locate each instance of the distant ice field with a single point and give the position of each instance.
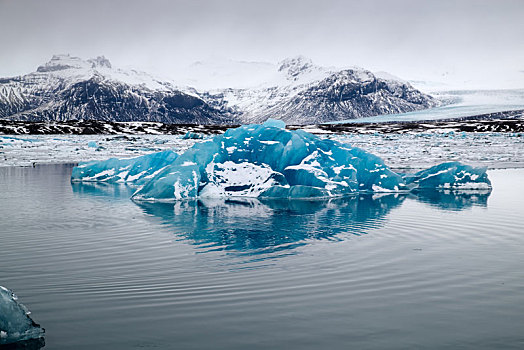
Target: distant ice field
(410, 150)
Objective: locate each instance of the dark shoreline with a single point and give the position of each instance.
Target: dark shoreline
(507, 121)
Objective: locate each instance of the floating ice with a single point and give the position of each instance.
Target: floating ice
(268, 161)
(192, 136)
(451, 175)
(15, 323)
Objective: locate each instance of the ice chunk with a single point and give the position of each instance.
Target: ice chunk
(192, 136)
(92, 144)
(15, 323)
(451, 175)
(269, 161)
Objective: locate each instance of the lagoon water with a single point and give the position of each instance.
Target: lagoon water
(427, 271)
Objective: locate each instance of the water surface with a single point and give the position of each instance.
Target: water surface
(428, 271)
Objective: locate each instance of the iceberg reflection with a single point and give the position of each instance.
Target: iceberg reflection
(103, 190)
(31, 344)
(453, 200)
(256, 225)
(262, 225)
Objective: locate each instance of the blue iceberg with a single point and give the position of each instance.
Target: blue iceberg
(450, 175)
(15, 323)
(268, 161)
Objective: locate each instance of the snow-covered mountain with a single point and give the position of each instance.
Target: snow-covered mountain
(305, 93)
(296, 91)
(69, 88)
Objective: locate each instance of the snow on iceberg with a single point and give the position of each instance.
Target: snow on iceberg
(15, 323)
(268, 161)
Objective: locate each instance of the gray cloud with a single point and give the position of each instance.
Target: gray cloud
(411, 38)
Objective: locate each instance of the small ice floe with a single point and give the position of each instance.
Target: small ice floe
(450, 175)
(268, 161)
(15, 323)
(192, 136)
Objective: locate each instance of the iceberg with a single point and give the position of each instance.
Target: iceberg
(15, 323)
(268, 161)
(450, 175)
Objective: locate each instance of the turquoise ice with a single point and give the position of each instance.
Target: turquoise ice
(450, 175)
(131, 170)
(268, 161)
(192, 136)
(15, 323)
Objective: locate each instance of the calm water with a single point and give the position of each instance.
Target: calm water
(99, 271)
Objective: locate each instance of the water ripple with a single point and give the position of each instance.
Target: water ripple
(364, 271)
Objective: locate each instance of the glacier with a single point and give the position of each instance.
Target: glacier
(15, 323)
(269, 161)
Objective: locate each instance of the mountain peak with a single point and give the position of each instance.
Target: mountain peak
(65, 61)
(62, 62)
(295, 66)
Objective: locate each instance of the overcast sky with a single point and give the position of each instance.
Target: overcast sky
(413, 39)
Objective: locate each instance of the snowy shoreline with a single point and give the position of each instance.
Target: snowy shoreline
(504, 121)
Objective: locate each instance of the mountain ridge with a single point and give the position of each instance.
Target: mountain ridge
(299, 92)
